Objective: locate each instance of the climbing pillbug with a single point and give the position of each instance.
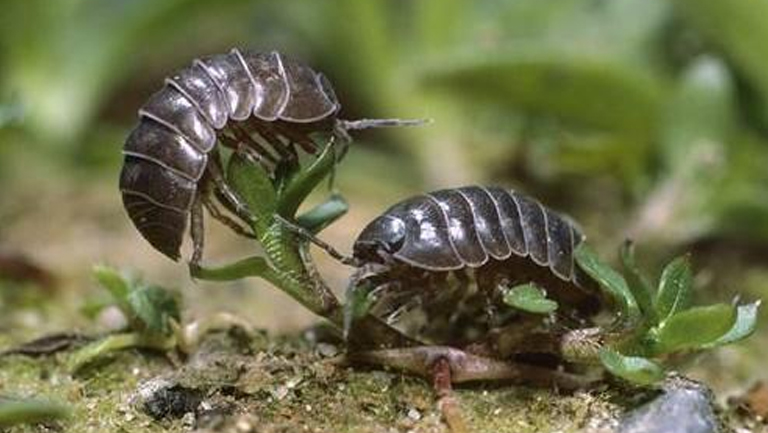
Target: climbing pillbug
(261, 105)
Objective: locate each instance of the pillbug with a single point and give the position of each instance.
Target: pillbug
(259, 104)
(452, 252)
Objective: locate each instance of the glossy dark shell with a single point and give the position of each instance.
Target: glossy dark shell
(452, 229)
(167, 153)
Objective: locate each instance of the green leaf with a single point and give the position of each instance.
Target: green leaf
(154, 307)
(637, 282)
(695, 328)
(301, 185)
(746, 322)
(253, 185)
(116, 283)
(674, 289)
(30, 411)
(611, 281)
(530, 298)
(324, 214)
(359, 300)
(248, 267)
(635, 369)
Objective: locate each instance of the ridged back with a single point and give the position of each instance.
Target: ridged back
(466, 227)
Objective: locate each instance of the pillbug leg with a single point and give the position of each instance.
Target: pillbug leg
(196, 231)
(309, 236)
(248, 142)
(467, 367)
(246, 152)
(220, 216)
(299, 138)
(446, 400)
(286, 150)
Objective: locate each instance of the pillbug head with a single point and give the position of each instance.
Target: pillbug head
(385, 233)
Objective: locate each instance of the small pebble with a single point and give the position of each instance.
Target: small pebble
(414, 414)
(327, 350)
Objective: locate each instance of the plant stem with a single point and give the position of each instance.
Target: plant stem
(117, 342)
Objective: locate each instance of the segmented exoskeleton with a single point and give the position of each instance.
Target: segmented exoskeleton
(460, 248)
(259, 104)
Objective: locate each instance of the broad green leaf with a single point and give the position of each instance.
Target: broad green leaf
(324, 214)
(674, 293)
(610, 281)
(746, 322)
(302, 184)
(116, 283)
(637, 282)
(530, 298)
(154, 307)
(695, 328)
(252, 184)
(30, 411)
(641, 371)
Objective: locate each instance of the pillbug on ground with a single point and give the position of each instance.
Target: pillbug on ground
(261, 105)
(438, 265)
(495, 237)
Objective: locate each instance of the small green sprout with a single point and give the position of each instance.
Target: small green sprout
(529, 298)
(152, 312)
(652, 326)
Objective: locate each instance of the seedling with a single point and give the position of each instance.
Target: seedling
(651, 325)
(152, 313)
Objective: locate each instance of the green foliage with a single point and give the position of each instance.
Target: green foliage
(15, 412)
(611, 281)
(636, 281)
(254, 187)
(529, 298)
(149, 309)
(674, 293)
(671, 326)
(358, 301)
(694, 328)
(153, 314)
(633, 369)
(324, 214)
(156, 308)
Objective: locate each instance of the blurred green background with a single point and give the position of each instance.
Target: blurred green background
(640, 118)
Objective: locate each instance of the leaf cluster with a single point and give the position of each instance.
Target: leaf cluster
(153, 314)
(654, 323)
(149, 309)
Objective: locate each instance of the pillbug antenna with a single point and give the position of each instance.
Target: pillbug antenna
(354, 125)
(342, 128)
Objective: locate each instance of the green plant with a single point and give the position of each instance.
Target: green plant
(273, 203)
(153, 314)
(650, 326)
